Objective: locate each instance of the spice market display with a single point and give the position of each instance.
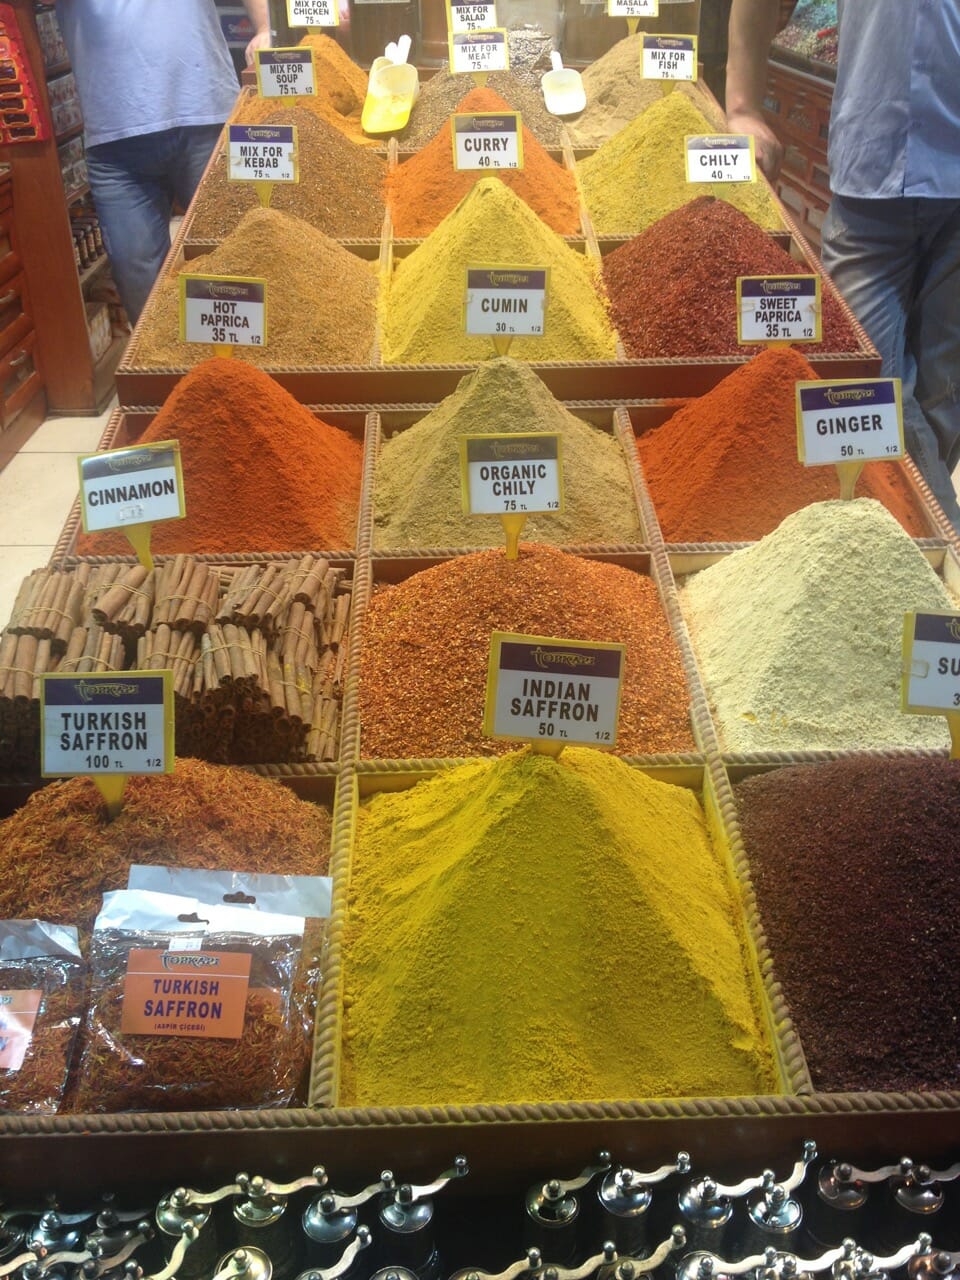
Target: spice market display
(665, 926)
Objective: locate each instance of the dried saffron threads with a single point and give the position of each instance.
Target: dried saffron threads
(260, 472)
(417, 499)
(421, 309)
(426, 642)
(799, 638)
(673, 288)
(640, 174)
(339, 191)
(724, 468)
(534, 930)
(423, 189)
(854, 863)
(178, 1019)
(42, 980)
(59, 854)
(321, 298)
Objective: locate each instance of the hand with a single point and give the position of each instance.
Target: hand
(260, 41)
(768, 146)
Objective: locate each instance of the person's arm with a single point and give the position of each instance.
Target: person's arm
(753, 24)
(258, 11)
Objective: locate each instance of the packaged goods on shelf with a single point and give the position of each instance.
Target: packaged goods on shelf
(811, 32)
(421, 306)
(417, 499)
(426, 645)
(853, 861)
(724, 468)
(640, 174)
(98, 326)
(799, 637)
(51, 40)
(440, 94)
(543, 991)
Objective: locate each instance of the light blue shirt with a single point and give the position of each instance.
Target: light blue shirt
(895, 123)
(147, 65)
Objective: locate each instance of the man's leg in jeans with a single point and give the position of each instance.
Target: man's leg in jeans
(133, 198)
(872, 250)
(934, 331)
(194, 146)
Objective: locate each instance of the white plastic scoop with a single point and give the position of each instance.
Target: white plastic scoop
(392, 89)
(563, 90)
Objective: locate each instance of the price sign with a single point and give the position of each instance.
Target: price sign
(262, 153)
(558, 691)
(479, 51)
(471, 17)
(313, 13)
(139, 485)
(778, 309)
(487, 141)
(106, 723)
(286, 73)
(508, 472)
(224, 310)
(506, 301)
(724, 157)
(669, 57)
(633, 8)
(18, 1015)
(852, 420)
(931, 663)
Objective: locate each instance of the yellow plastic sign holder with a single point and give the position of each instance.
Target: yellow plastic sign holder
(139, 535)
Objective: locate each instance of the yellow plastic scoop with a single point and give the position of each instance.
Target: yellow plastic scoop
(563, 90)
(392, 89)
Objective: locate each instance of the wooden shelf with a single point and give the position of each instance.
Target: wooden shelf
(77, 194)
(68, 135)
(58, 69)
(104, 369)
(87, 274)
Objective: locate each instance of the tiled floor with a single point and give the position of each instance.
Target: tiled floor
(37, 490)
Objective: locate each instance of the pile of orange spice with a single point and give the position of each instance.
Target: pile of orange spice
(423, 189)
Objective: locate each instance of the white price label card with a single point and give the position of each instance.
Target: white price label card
(931, 663)
(106, 723)
(225, 310)
(778, 309)
(511, 473)
(479, 51)
(721, 157)
(471, 17)
(561, 691)
(137, 485)
(633, 8)
(506, 301)
(313, 13)
(487, 141)
(669, 57)
(286, 73)
(850, 420)
(262, 153)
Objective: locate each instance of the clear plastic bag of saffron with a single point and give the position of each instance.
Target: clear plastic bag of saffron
(191, 1007)
(287, 895)
(42, 980)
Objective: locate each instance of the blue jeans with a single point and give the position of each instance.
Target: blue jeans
(897, 263)
(134, 183)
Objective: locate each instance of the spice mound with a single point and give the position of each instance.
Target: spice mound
(260, 472)
(799, 637)
(616, 93)
(339, 191)
(543, 991)
(417, 488)
(440, 94)
(853, 862)
(640, 174)
(422, 307)
(724, 468)
(424, 189)
(673, 288)
(426, 643)
(341, 89)
(60, 854)
(321, 298)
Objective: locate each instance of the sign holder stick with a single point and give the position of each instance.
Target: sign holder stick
(264, 190)
(633, 25)
(849, 473)
(138, 535)
(111, 786)
(513, 524)
(501, 343)
(541, 747)
(480, 78)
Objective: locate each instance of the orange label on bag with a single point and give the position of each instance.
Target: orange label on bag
(185, 993)
(18, 1013)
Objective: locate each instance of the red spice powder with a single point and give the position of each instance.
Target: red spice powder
(725, 469)
(260, 473)
(673, 288)
(421, 191)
